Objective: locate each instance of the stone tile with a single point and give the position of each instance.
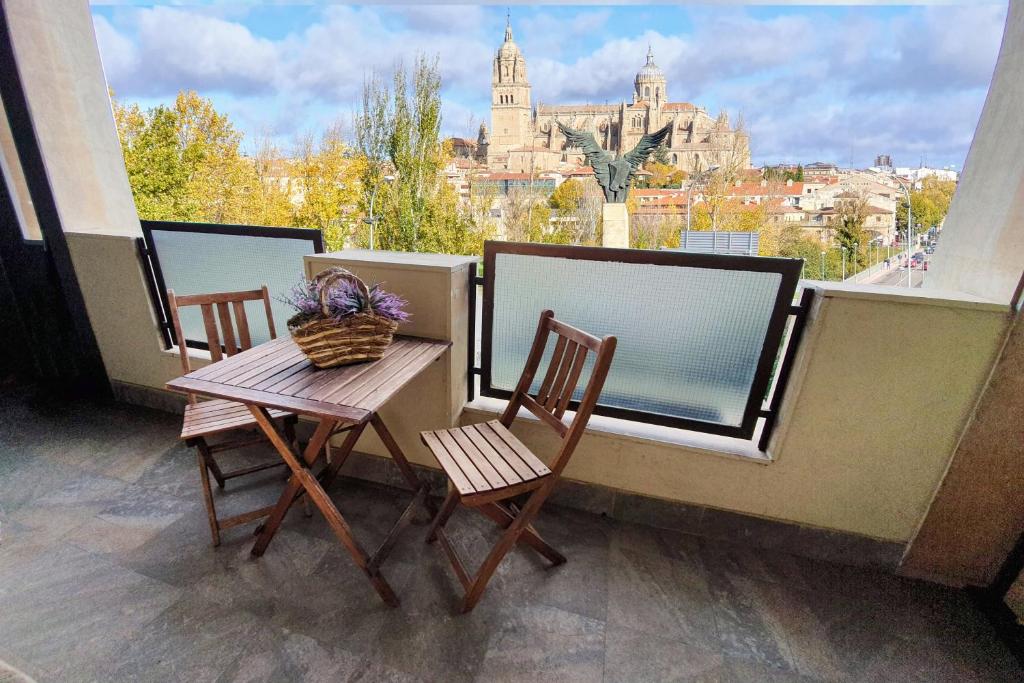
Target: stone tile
(294, 657)
(738, 560)
(662, 514)
(192, 640)
(531, 643)
(67, 606)
(635, 656)
(661, 596)
(747, 625)
(597, 500)
(135, 515)
(748, 530)
(849, 548)
(740, 670)
(107, 573)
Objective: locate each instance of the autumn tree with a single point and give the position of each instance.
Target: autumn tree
(270, 201)
(929, 204)
(326, 175)
(184, 163)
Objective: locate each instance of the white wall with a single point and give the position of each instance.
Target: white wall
(59, 63)
(982, 247)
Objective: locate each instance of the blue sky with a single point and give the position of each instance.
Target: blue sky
(832, 83)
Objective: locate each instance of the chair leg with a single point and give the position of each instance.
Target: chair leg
(508, 539)
(212, 465)
(447, 508)
(483, 575)
(504, 517)
(211, 511)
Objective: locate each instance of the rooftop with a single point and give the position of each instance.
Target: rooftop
(105, 535)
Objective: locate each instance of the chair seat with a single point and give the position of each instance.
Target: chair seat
(212, 417)
(485, 461)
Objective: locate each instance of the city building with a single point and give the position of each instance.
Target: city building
(525, 137)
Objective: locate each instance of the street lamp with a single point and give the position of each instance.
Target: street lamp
(371, 220)
(689, 189)
(844, 263)
(822, 265)
(909, 223)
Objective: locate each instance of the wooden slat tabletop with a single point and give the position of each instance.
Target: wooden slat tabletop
(277, 375)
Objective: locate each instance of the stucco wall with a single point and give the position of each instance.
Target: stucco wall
(870, 420)
(982, 249)
(60, 67)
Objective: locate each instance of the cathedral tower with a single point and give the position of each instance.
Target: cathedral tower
(649, 85)
(510, 98)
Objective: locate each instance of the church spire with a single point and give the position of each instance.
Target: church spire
(650, 54)
(508, 25)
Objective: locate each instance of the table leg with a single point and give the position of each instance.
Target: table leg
(292, 490)
(419, 489)
(403, 463)
(302, 478)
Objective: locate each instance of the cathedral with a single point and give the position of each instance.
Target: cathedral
(524, 138)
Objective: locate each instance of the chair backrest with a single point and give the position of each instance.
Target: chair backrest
(225, 303)
(560, 380)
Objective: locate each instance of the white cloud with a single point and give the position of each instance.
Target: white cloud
(809, 82)
(119, 56)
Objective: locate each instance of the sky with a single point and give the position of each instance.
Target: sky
(812, 83)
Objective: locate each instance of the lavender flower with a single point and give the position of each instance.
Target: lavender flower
(343, 300)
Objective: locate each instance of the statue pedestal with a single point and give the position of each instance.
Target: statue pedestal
(615, 226)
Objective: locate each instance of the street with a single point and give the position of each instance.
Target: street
(896, 276)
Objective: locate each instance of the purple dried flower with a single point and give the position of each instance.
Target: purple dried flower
(343, 300)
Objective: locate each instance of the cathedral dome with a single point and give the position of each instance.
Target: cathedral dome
(649, 84)
(650, 72)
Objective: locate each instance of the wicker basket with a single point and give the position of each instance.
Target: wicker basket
(329, 342)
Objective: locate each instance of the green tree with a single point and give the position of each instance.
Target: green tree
(848, 223)
(156, 172)
(398, 134)
(929, 204)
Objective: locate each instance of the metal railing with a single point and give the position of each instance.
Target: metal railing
(705, 341)
(197, 258)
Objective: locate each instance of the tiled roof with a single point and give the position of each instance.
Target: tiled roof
(759, 190)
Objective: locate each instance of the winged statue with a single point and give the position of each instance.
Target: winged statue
(614, 172)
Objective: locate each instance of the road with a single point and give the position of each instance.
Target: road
(898, 277)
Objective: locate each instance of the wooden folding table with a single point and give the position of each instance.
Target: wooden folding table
(276, 375)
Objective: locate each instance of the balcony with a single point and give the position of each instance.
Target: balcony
(108, 575)
(852, 538)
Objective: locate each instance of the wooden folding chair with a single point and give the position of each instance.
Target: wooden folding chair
(206, 418)
(487, 465)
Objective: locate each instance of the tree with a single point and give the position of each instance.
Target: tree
(327, 177)
(848, 223)
(566, 197)
(527, 215)
(929, 204)
(270, 199)
(219, 179)
(156, 173)
(398, 133)
(651, 231)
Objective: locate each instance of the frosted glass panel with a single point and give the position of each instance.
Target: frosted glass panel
(199, 263)
(689, 339)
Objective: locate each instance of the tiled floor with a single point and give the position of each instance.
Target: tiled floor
(106, 574)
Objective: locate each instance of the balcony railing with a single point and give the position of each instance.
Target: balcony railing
(701, 337)
(194, 258)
